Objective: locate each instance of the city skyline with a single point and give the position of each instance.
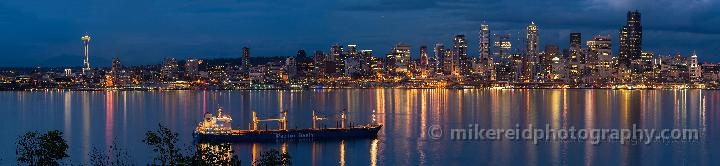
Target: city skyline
(53, 46)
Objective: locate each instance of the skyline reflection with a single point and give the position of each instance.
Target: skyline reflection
(91, 119)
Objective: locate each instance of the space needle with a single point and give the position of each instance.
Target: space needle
(86, 45)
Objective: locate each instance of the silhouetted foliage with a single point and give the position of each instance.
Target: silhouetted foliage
(273, 157)
(114, 155)
(34, 148)
(214, 154)
(164, 143)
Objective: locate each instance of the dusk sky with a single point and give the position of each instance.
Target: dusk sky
(47, 32)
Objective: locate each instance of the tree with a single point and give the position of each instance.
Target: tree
(113, 156)
(163, 141)
(273, 157)
(214, 154)
(34, 148)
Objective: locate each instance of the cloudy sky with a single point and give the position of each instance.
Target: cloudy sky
(47, 32)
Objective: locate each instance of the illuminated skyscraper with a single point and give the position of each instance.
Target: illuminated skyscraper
(485, 67)
(245, 60)
(401, 52)
(530, 60)
(575, 39)
(439, 57)
(532, 39)
(631, 39)
(484, 42)
(86, 53)
(502, 45)
(600, 48)
(424, 61)
(461, 62)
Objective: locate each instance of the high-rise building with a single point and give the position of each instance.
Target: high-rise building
(532, 39)
(460, 59)
(485, 65)
(530, 60)
(86, 52)
(337, 57)
(424, 64)
(600, 58)
(192, 68)
(600, 48)
(439, 58)
(502, 45)
(630, 39)
(115, 73)
(484, 43)
(245, 60)
(575, 39)
(169, 70)
(424, 61)
(402, 57)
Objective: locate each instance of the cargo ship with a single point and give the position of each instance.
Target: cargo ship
(218, 128)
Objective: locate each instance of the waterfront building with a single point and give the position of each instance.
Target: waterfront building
(461, 62)
(424, 63)
(710, 72)
(501, 46)
(245, 61)
(192, 69)
(439, 58)
(694, 69)
(485, 63)
(630, 39)
(401, 54)
(169, 70)
(600, 53)
(528, 63)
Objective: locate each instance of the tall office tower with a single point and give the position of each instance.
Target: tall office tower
(169, 70)
(484, 42)
(366, 62)
(532, 39)
(424, 64)
(336, 57)
(245, 61)
(116, 66)
(630, 39)
(116, 72)
(600, 48)
(575, 39)
(86, 52)
(424, 61)
(530, 60)
(460, 59)
(352, 51)
(502, 46)
(192, 67)
(486, 67)
(449, 65)
(320, 65)
(304, 64)
(439, 57)
(401, 52)
(600, 58)
(694, 69)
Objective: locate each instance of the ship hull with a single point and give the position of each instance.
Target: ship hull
(295, 134)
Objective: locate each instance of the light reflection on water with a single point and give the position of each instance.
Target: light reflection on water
(101, 118)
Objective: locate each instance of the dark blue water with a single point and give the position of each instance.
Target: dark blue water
(97, 119)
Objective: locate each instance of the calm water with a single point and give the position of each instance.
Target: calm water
(97, 119)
